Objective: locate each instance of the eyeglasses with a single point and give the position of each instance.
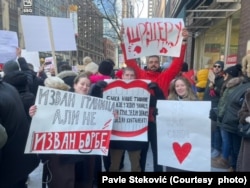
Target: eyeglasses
(218, 66)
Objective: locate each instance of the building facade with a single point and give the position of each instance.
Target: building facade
(214, 27)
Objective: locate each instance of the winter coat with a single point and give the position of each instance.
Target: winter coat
(243, 164)
(202, 76)
(224, 119)
(98, 77)
(33, 81)
(218, 83)
(14, 163)
(18, 79)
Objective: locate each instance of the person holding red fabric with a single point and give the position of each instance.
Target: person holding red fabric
(162, 79)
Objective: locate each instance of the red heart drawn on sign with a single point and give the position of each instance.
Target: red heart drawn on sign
(181, 152)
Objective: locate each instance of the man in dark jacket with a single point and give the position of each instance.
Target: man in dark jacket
(33, 80)
(15, 165)
(19, 80)
(213, 93)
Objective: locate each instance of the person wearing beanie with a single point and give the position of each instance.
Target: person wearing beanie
(104, 71)
(213, 93)
(219, 64)
(10, 66)
(91, 67)
(105, 67)
(234, 71)
(86, 60)
(233, 78)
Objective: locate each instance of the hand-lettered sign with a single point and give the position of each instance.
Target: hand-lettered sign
(156, 36)
(132, 104)
(184, 135)
(70, 123)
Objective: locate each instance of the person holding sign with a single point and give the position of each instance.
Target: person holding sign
(181, 90)
(57, 171)
(163, 79)
(117, 147)
(85, 168)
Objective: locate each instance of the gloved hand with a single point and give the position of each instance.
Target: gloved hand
(152, 85)
(212, 93)
(101, 84)
(247, 119)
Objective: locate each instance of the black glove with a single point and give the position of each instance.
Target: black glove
(152, 85)
(101, 84)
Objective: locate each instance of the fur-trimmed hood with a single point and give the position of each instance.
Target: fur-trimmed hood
(234, 82)
(64, 74)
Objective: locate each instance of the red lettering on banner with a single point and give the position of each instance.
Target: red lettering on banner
(71, 140)
(158, 31)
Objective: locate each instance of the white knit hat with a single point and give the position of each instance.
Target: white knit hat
(86, 60)
(91, 67)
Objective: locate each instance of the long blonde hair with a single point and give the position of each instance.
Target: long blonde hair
(191, 95)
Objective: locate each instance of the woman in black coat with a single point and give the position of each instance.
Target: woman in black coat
(15, 165)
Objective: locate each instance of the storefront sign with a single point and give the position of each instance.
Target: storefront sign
(231, 60)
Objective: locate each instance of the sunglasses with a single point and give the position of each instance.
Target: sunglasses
(217, 66)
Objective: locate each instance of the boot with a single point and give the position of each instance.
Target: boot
(220, 163)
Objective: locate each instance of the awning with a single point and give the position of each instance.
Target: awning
(207, 13)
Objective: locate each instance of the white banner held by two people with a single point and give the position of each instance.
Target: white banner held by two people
(70, 123)
(155, 36)
(184, 134)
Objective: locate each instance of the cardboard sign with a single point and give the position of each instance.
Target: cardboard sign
(70, 123)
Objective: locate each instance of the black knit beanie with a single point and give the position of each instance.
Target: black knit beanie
(105, 68)
(221, 63)
(234, 71)
(10, 66)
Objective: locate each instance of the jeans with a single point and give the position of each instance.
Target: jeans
(216, 140)
(236, 143)
(226, 144)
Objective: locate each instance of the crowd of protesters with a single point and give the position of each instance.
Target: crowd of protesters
(19, 86)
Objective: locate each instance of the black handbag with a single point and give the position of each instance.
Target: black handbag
(244, 130)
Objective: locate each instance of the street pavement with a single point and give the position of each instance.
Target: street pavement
(35, 178)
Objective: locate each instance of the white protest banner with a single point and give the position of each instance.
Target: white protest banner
(132, 104)
(32, 57)
(8, 45)
(154, 36)
(70, 123)
(59, 36)
(184, 134)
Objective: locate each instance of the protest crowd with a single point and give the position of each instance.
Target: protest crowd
(223, 90)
